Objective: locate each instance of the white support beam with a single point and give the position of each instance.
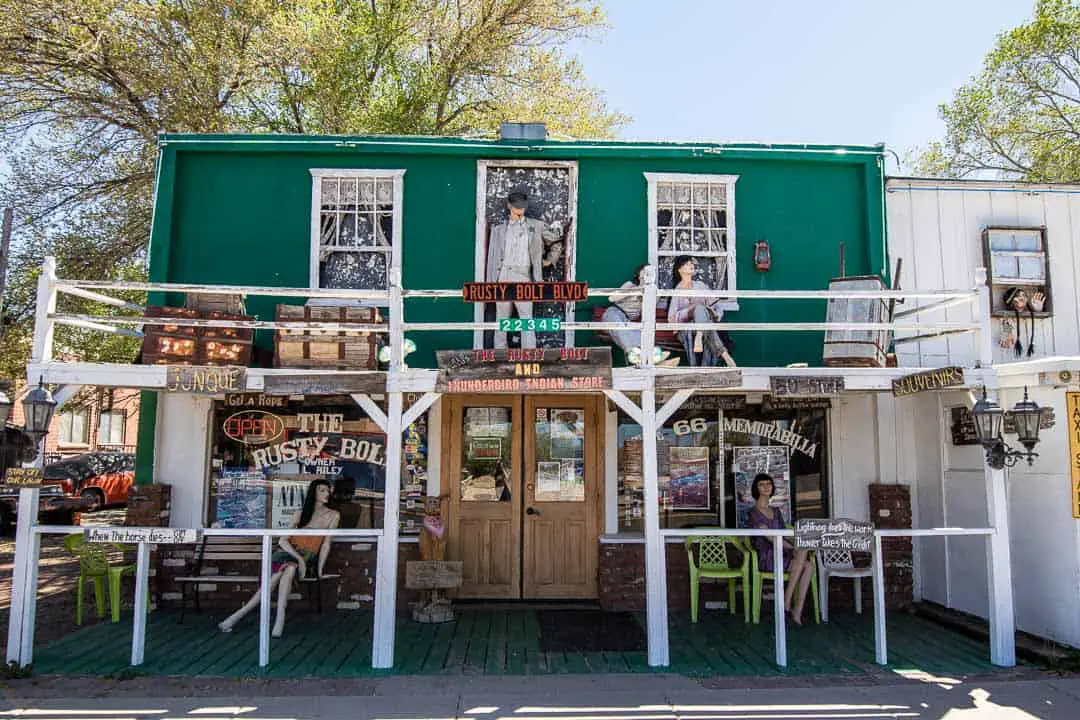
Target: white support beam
(881, 640)
(999, 572)
(46, 306)
(655, 559)
(264, 602)
(374, 411)
(672, 406)
(779, 620)
(626, 404)
(64, 393)
(138, 632)
(386, 567)
(419, 408)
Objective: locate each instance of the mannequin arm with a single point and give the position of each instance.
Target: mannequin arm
(324, 549)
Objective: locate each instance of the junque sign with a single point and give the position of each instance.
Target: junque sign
(834, 534)
(204, 379)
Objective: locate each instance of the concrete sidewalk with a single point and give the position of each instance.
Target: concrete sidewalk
(607, 697)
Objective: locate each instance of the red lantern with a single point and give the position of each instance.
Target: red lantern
(762, 256)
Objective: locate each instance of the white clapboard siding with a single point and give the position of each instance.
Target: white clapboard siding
(936, 227)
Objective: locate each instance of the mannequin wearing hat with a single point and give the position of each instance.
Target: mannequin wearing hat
(1017, 300)
(516, 254)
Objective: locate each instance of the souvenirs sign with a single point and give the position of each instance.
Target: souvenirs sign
(926, 381)
(157, 536)
(806, 385)
(834, 534)
(549, 292)
(23, 477)
(523, 370)
(204, 379)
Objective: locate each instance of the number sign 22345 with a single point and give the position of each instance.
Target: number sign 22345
(685, 427)
(540, 324)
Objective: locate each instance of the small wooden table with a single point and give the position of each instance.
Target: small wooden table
(433, 576)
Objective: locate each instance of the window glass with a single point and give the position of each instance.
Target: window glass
(560, 455)
(356, 231)
(74, 429)
(111, 427)
(487, 455)
(692, 218)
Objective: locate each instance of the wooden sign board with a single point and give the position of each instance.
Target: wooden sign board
(795, 403)
(433, 574)
(325, 384)
(256, 401)
(157, 536)
(549, 292)
(23, 477)
(834, 534)
(523, 370)
(1072, 408)
(962, 427)
(806, 385)
(927, 381)
(703, 379)
(205, 379)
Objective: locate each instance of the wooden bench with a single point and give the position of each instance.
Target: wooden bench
(232, 549)
(663, 339)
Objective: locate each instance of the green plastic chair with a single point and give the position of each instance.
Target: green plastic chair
(759, 578)
(94, 566)
(713, 562)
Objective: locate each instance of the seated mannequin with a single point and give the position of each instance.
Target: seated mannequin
(703, 347)
(627, 308)
(295, 554)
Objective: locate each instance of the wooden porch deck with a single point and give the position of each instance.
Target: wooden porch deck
(503, 642)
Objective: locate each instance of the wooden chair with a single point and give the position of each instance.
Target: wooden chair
(713, 562)
(839, 563)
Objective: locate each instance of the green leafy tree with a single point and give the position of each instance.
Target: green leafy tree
(87, 85)
(1020, 117)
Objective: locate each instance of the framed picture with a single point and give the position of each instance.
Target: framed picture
(747, 463)
(688, 478)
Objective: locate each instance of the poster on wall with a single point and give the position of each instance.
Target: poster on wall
(747, 463)
(240, 498)
(567, 434)
(688, 478)
(548, 481)
(572, 488)
(1072, 408)
(287, 498)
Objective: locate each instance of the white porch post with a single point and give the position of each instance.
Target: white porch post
(655, 561)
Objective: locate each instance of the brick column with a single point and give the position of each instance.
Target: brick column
(890, 508)
(148, 506)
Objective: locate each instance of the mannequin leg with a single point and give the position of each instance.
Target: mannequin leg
(284, 588)
(227, 624)
(795, 568)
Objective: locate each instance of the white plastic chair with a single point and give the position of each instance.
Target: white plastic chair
(839, 563)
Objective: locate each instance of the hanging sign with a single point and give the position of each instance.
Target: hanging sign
(343, 383)
(771, 431)
(806, 385)
(256, 401)
(156, 536)
(1072, 406)
(549, 292)
(795, 403)
(523, 370)
(926, 381)
(23, 477)
(253, 427)
(715, 379)
(204, 379)
(833, 534)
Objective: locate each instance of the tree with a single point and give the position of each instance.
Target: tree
(87, 85)
(1020, 117)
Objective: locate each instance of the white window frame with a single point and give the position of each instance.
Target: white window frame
(86, 425)
(113, 416)
(653, 178)
(317, 176)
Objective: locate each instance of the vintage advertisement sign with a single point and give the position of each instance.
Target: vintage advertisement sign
(204, 379)
(547, 292)
(1072, 405)
(523, 370)
(926, 381)
(834, 534)
(157, 536)
(806, 385)
(23, 477)
(795, 403)
(256, 401)
(962, 426)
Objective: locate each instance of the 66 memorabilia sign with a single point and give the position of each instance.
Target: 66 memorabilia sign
(253, 427)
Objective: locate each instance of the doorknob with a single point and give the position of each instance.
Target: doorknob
(532, 511)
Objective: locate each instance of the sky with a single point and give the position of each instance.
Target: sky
(831, 71)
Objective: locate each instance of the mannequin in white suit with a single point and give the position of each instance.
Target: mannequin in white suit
(515, 254)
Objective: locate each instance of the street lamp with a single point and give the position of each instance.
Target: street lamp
(990, 422)
(38, 407)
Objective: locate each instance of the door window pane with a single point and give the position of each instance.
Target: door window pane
(560, 455)
(487, 455)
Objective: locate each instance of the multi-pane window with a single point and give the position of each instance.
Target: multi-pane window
(693, 215)
(74, 427)
(1017, 258)
(356, 227)
(111, 426)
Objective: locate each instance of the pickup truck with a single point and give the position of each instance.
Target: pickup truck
(81, 483)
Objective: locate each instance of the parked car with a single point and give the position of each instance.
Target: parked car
(82, 483)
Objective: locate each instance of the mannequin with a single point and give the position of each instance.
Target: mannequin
(295, 554)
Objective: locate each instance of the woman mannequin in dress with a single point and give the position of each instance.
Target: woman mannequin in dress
(795, 562)
(295, 554)
(698, 310)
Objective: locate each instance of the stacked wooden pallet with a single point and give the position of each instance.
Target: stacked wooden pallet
(329, 349)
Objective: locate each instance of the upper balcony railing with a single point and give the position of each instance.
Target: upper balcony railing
(50, 287)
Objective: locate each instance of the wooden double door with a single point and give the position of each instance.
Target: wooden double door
(525, 496)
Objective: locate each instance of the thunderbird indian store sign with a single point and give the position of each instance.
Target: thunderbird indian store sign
(523, 370)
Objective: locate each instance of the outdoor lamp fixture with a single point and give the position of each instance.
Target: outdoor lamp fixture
(38, 406)
(990, 422)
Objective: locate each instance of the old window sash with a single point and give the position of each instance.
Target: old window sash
(1016, 256)
(693, 214)
(112, 425)
(74, 427)
(355, 227)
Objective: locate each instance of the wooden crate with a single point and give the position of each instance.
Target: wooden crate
(218, 302)
(856, 348)
(341, 350)
(167, 344)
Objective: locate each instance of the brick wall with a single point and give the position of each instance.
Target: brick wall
(125, 400)
(890, 508)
